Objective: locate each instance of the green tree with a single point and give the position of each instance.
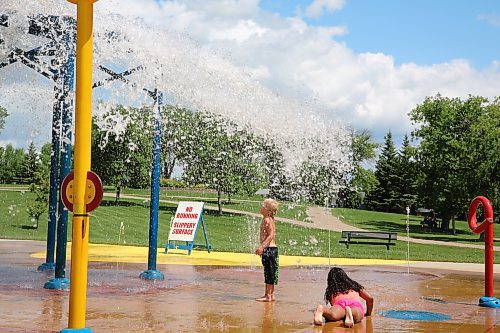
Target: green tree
(320, 176)
(3, 114)
(222, 157)
(483, 142)
(179, 132)
(2, 165)
(122, 147)
(384, 196)
(363, 147)
(407, 177)
(11, 165)
(45, 154)
(31, 163)
(458, 152)
(362, 181)
(360, 188)
(272, 168)
(41, 187)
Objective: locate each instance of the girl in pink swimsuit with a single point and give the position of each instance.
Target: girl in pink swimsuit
(344, 295)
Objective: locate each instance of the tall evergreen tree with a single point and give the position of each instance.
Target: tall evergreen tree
(407, 176)
(31, 163)
(3, 115)
(384, 197)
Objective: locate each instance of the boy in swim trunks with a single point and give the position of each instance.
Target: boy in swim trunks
(268, 249)
(345, 297)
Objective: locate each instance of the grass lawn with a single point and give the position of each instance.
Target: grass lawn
(227, 233)
(397, 223)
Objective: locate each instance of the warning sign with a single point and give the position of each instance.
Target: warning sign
(185, 222)
(184, 227)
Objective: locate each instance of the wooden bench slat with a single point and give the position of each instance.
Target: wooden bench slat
(361, 237)
(369, 234)
(360, 242)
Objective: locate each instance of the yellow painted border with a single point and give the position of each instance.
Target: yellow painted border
(137, 254)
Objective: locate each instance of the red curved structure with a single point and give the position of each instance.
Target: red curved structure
(487, 227)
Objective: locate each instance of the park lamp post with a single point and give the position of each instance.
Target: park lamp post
(83, 127)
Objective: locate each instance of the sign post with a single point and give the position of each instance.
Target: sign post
(185, 226)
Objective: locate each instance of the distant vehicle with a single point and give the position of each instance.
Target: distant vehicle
(263, 191)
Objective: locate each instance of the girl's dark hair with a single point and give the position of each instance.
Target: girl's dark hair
(339, 283)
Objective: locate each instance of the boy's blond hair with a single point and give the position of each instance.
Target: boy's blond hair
(271, 206)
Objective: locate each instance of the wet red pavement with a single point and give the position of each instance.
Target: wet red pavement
(221, 299)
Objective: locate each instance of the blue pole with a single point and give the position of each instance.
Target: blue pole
(152, 273)
(60, 281)
(53, 193)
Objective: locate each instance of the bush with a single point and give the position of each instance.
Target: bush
(167, 182)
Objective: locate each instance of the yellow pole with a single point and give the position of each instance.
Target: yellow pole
(83, 126)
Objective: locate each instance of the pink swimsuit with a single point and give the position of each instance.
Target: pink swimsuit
(351, 299)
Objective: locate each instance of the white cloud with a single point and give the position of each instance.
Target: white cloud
(4, 143)
(317, 7)
(240, 32)
(492, 19)
(305, 62)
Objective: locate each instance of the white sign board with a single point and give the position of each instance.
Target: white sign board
(185, 222)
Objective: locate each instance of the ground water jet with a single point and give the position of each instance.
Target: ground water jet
(415, 315)
(408, 238)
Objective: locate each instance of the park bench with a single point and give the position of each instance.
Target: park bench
(369, 237)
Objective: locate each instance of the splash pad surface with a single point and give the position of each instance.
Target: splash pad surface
(210, 298)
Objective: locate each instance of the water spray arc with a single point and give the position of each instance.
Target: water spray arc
(151, 273)
(60, 281)
(60, 30)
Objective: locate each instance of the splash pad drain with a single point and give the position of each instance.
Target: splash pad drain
(415, 315)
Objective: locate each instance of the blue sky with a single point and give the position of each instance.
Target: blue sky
(421, 31)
